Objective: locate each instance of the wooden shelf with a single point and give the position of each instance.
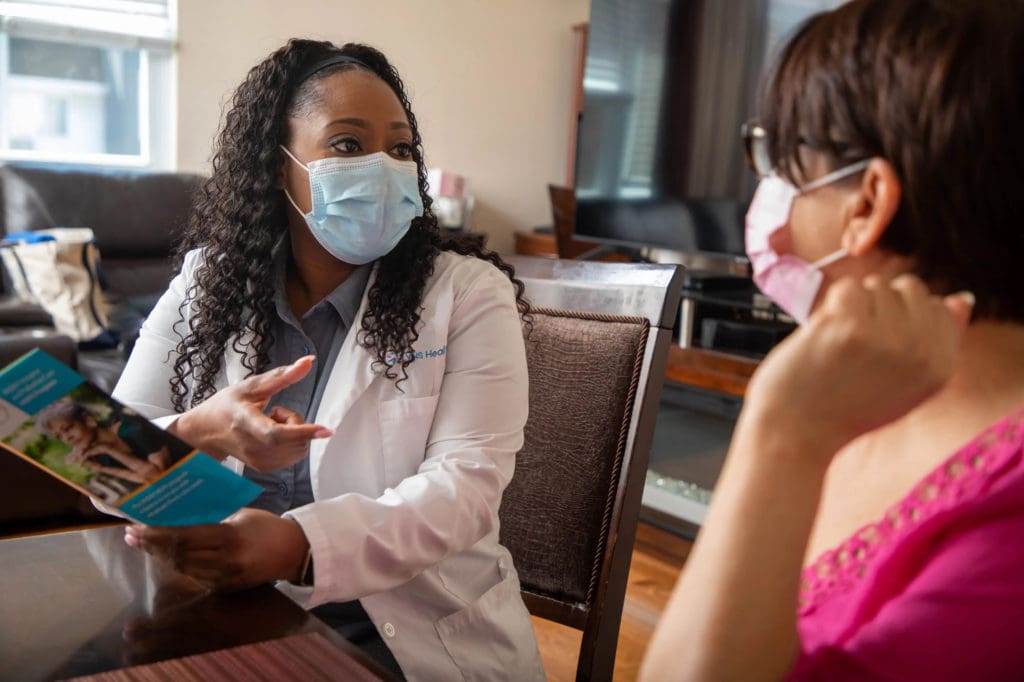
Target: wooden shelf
(543, 244)
(710, 369)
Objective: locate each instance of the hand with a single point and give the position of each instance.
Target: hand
(232, 422)
(161, 459)
(249, 548)
(869, 354)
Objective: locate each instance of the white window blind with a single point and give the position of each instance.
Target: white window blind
(130, 23)
(88, 81)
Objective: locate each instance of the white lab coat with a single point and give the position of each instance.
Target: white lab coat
(408, 488)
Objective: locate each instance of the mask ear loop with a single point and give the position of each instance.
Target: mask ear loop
(827, 180)
(286, 193)
(294, 205)
(840, 254)
(292, 157)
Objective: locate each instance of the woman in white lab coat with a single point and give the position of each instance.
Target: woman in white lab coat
(327, 341)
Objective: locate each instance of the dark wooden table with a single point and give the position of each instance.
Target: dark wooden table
(83, 603)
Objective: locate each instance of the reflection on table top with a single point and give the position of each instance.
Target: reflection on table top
(83, 602)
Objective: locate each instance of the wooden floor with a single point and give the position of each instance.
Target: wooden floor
(657, 560)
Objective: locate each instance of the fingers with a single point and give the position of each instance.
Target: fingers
(911, 296)
(276, 435)
(204, 553)
(170, 543)
(904, 298)
(268, 442)
(933, 311)
(960, 305)
(283, 415)
(264, 385)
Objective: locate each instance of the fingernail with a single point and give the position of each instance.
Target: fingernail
(967, 296)
(131, 540)
(323, 433)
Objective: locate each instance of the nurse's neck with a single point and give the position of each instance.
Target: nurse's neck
(313, 273)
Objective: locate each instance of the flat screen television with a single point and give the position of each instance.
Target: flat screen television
(667, 85)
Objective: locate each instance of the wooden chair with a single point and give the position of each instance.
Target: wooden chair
(563, 217)
(596, 352)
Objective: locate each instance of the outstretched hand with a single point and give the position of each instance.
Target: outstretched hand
(232, 421)
(870, 353)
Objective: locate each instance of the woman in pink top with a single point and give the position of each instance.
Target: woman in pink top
(869, 522)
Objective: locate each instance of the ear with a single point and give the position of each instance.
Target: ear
(873, 208)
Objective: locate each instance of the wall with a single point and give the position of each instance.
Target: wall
(490, 82)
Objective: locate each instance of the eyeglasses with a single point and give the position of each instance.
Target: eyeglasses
(755, 143)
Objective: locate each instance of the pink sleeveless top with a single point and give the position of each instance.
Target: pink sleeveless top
(934, 590)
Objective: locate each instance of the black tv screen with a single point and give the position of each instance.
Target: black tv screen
(667, 85)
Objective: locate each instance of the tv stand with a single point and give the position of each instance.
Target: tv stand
(700, 402)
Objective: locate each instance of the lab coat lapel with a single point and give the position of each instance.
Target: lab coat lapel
(351, 375)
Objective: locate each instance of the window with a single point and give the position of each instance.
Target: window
(88, 81)
(623, 81)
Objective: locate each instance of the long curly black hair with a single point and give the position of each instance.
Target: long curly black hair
(240, 215)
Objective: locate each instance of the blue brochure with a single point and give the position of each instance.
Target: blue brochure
(52, 417)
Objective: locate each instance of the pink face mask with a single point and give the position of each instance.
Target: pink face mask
(791, 282)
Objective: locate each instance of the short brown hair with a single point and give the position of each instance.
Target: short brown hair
(935, 88)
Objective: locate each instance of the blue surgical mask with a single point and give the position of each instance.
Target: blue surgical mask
(363, 206)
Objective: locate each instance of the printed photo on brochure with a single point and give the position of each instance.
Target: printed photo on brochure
(52, 417)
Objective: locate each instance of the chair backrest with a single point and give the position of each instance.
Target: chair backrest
(596, 352)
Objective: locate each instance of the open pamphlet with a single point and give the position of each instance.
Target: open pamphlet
(52, 417)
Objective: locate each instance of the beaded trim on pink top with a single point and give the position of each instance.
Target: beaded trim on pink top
(956, 480)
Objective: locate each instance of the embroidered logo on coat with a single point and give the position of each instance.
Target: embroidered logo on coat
(392, 358)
